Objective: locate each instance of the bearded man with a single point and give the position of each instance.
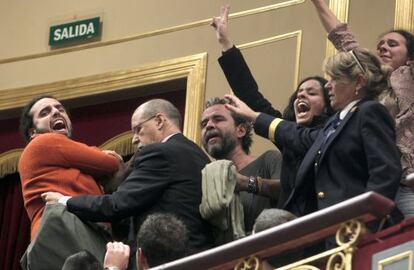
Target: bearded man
(226, 136)
(53, 161)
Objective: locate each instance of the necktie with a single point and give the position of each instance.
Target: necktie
(326, 135)
(331, 129)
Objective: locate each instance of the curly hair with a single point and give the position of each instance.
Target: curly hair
(272, 217)
(246, 140)
(162, 238)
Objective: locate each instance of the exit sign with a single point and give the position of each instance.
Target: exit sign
(77, 31)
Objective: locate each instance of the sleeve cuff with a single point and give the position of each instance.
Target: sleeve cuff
(272, 129)
(232, 49)
(333, 34)
(64, 200)
(266, 126)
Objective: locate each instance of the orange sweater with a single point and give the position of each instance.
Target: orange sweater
(53, 162)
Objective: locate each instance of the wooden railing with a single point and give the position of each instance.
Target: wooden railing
(295, 234)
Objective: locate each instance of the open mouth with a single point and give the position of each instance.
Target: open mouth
(211, 136)
(302, 108)
(58, 125)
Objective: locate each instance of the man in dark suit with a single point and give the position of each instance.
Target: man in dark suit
(166, 176)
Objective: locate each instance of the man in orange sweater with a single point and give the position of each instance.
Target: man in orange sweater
(52, 161)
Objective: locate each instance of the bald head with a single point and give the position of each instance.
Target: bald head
(153, 121)
(154, 106)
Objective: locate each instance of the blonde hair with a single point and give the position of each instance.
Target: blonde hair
(347, 66)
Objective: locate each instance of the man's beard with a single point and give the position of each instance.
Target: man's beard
(221, 150)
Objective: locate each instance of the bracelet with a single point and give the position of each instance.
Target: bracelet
(252, 186)
(111, 268)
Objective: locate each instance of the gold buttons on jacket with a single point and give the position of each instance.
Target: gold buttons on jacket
(321, 195)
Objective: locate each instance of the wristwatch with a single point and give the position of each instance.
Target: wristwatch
(252, 186)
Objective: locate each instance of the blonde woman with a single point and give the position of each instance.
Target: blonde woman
(396, 49)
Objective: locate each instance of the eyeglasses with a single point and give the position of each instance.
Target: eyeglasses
(357, 61)
(138, 127)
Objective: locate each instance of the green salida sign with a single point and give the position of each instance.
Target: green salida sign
(77, 31)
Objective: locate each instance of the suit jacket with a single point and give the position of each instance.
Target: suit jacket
(360, 156)
(166, 178)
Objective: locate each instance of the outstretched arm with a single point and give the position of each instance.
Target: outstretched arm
(137, 193)
(236, 69)
(328, 19)
(338, 32)
(220, 24)
(242, 82)
(141, 190)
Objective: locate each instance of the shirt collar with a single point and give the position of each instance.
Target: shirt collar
(348, 107)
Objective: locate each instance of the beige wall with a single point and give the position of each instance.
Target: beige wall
(26, 60)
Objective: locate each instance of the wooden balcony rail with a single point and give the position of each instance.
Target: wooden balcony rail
(291, 235)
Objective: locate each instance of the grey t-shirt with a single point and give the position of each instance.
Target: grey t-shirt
(267, 166)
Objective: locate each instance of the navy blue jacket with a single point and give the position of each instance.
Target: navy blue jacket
(361, 156)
